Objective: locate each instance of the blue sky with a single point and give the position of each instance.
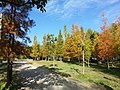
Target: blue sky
(86, 13)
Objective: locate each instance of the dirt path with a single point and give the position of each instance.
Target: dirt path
(40, 78)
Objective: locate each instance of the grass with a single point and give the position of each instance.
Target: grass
(2, 75)
(94, 75)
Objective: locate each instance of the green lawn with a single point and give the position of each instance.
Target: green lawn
(96, 74)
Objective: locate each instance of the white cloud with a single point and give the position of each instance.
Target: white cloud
(69, 8)
(112, 1)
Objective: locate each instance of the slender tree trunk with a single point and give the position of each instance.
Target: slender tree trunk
(112, 62)
(79, 59)
(88, 62)
(9, 72)
(53, 61)
(68, 59)
(61, 58)
(0, 61)
(108, 65)
(83, 62)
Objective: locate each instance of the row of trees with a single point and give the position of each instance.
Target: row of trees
(78, 45)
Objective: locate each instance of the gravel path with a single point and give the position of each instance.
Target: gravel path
(40, 78)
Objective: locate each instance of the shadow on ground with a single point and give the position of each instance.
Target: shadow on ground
(43, 78)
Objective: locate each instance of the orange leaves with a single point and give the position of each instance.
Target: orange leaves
(8, 25)
(71, 48)
(106, 45)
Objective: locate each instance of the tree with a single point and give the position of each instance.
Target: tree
(35, 49)
(82, 39)
(59, 45)
(43, 52)
(66, 33)
(67, 48)
(115, 30)
(88, 46)
(48, 45)
(94, 39)
(75, 40)
(40, 4)
(106, 44)
(43, 47)
(67, 43)
(16, 24)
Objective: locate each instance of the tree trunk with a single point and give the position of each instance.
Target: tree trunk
(83, 62)
(53, 61)
(88, 62)
(112, 62)
(69, 59)
(9, 72)
(61, 58)
(0, 61)
(108, 65)
(79, 59)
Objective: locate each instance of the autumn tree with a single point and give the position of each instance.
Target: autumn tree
(43, 48)
(115, 30)
(82, 39)
(67, 43)
(48, 45)
(17, 23)
(66, 33)
(59, 45)
(67, 48)
(75, 40)
(35, 49)
(88, 46)
(94, 39)
(106, 44)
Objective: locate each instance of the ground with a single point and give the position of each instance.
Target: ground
(40, 77)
